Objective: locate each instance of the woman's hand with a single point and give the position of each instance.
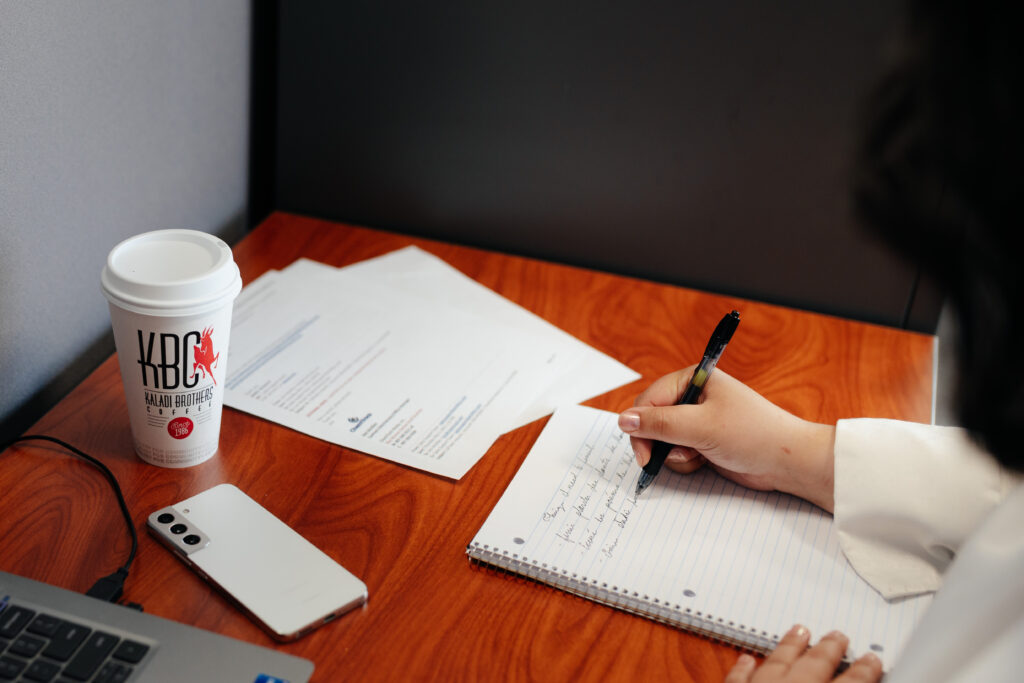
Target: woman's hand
(745, 437)
(792, 662)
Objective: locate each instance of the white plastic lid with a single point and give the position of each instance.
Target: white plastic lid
(171, 273)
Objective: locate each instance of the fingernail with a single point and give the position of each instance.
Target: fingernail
(629, 421)
(837, 635)
(798, 631)
(679, 455)
(872, 659)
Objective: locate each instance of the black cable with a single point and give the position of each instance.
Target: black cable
(109, 587)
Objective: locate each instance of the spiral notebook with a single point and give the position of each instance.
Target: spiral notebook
(697, 552)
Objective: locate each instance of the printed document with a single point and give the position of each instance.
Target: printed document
(402, 357)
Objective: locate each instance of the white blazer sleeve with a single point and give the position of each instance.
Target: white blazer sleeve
(906, 496)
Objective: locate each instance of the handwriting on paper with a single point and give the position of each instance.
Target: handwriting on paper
(594, 501)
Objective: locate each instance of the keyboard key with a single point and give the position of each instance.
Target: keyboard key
(131, 652)
(44, 625)
(113, 672)
(90, 656)
(10, 667)
(13, 619)
(67, 639)
(42, 670)
(26, 646)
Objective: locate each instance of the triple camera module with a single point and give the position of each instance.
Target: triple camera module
(178, 529)
(175, 531)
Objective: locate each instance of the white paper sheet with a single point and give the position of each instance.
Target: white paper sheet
(402, 357)
(581, 372)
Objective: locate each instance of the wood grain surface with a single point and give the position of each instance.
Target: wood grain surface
(432, 615)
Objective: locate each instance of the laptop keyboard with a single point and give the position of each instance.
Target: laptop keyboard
(40, 647)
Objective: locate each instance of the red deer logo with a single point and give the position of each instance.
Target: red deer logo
(205, 359)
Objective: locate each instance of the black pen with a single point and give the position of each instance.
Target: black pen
(719, 338)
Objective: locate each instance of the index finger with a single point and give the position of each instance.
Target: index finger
(821, 661)
(665, 391)
(788, 651)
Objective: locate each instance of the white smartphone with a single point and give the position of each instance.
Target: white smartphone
(281, 580)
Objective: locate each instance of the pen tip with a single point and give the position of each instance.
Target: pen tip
(642, 483)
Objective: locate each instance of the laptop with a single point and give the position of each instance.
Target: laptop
(51, 634)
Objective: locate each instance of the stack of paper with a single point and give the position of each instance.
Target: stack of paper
(402, 357)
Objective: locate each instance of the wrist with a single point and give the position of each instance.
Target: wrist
(810, 471)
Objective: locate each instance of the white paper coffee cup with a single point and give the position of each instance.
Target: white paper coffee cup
(170, 295)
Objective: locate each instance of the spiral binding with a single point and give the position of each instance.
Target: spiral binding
(674, 615)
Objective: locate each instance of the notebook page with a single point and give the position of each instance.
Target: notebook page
(697, 546)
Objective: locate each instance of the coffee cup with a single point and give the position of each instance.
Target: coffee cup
(170, 294)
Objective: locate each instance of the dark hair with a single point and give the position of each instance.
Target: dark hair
(940, 178)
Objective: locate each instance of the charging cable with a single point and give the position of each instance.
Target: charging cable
(110, 587)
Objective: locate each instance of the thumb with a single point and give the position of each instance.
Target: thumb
(680, 425)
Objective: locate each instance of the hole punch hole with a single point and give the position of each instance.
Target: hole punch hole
(689, 593)
(518, 541)
(875, 647)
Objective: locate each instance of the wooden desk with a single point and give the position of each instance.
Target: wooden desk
(431, 615)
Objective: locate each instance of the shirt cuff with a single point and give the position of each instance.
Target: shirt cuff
(907, 495)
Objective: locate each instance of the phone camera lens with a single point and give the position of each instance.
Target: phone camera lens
(165, 518)
(179, 529)
(191, 539)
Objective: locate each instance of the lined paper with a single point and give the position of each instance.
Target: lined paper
(697, 551)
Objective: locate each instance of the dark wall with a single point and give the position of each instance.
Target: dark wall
(705, 144)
